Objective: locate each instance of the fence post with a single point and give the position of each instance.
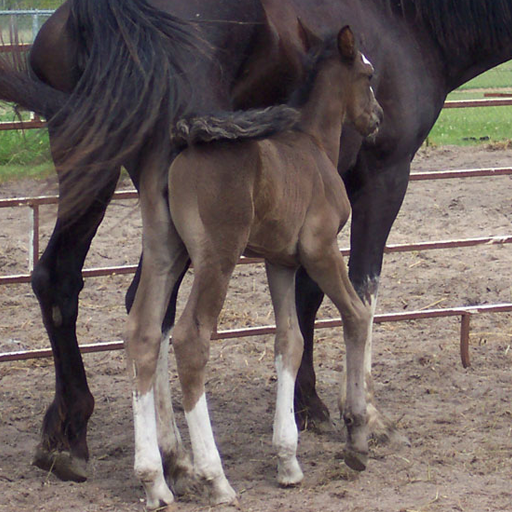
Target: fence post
(35, 25)
(33, 253)
(464, 339)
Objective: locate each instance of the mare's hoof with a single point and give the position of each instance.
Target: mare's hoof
(63, 465)
(313, 416)
(355, 460)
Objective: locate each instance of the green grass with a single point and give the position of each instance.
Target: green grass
(23, 153)
(470, 126)
(498, 77)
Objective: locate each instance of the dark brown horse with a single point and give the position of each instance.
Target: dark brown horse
(128, 65)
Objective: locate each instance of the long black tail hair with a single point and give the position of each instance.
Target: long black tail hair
(133, 58)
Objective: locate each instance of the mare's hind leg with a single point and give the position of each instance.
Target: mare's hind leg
(191, 341)
(57, 282)
(288, 353)
(325, 265)
(310, 411)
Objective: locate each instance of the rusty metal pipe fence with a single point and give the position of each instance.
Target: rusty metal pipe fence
(465, 313)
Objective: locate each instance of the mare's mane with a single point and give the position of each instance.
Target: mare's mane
(461, 25)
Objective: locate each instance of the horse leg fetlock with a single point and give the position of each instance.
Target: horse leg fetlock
(179, 472)
(220, 491)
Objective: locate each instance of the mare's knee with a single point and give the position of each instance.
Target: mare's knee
(57, 293)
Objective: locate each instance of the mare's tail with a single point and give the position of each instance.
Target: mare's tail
(239, 125)
(18, 86)
(130, 57)
(133, 58)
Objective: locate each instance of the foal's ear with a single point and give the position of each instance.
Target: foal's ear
(308, 38)
(347, 43)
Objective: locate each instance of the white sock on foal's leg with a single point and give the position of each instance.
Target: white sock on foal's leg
(286, 435)
(148, 462)
(207, 463)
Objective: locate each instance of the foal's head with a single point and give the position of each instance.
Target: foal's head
(350, 77)
(363, 110)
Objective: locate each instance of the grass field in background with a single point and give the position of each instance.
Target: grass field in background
(468, 126)
(27, 153)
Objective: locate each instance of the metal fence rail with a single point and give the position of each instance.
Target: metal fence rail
(37, 123)
(465, 313)
(34, 203)
(35, 18)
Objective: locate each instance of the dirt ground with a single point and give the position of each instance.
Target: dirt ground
(459, 422)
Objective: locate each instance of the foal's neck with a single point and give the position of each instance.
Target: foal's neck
(323, 113)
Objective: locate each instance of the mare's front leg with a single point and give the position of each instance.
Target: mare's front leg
(375, 205)
(288, 353)
(57, 282)
(165, 259)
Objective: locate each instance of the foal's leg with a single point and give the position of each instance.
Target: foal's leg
(178, 468)
(165, 259)
(176, 461)
(288, 353)
(191, 341)
(326, 266)
(375, 205)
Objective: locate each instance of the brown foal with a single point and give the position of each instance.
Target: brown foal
(278, 197)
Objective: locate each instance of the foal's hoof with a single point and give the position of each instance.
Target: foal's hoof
(289, 473)
(62, 464)
(384, 431)
(355, 460)
(221, 493)
(182, 479)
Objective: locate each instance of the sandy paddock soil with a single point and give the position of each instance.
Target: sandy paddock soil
(459, 422)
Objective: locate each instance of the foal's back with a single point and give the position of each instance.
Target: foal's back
(261, 193)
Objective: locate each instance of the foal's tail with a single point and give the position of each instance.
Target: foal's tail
(239, 125)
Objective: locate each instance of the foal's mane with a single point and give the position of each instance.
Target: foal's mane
(256, 123)
(461, 25)
(312, 64)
